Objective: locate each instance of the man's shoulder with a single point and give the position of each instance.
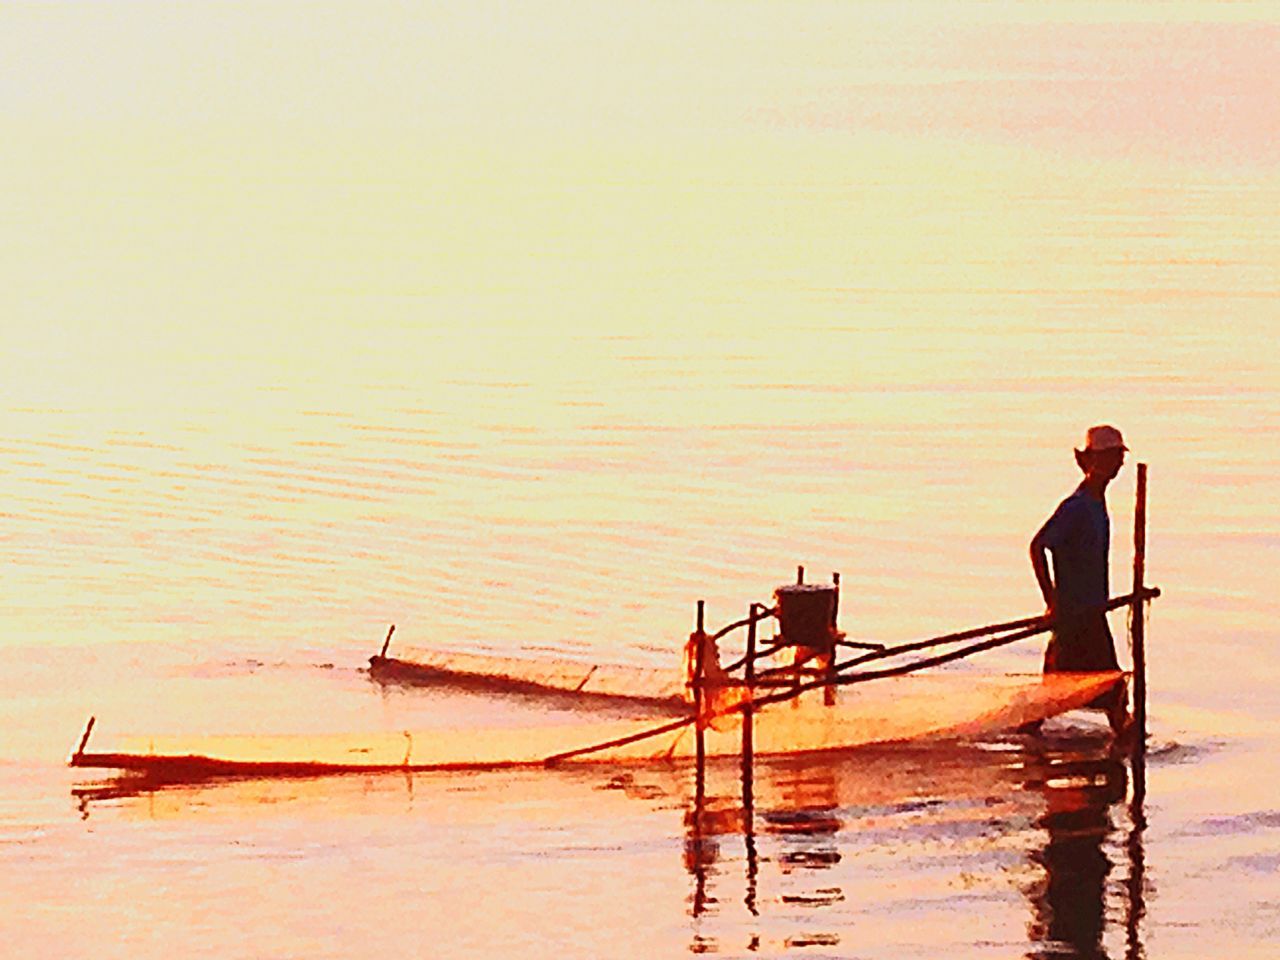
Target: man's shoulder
(1066, 517)
(1075, 502)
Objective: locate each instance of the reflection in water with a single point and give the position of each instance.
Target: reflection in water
(705, 822)
(1135, 900)
(801, 810)
(1080, 791)
(818, 814)
(820, 836)
(749, 830)
(805, 817)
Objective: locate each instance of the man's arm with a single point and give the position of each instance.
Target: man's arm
(1040, 564)
(1061, 528)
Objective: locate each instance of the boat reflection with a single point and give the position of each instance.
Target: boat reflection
(136, 795)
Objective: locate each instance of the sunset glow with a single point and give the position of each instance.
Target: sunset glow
(525, 327)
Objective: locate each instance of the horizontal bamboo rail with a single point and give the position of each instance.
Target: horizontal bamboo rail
(1041, 623)
(756, 617)
(746, 658)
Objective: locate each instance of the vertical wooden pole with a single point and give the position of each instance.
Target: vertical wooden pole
(699, 654)
(697, 843)
(800, 574)
(1137, 626)
(749, 761)
(749, 678)
(1138, 758)
(829, 692)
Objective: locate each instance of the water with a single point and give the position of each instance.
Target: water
(294, 350)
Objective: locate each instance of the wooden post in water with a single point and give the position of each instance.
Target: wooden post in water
(748, 765)
(1138, 637)
(1137, 625)
(749, 678)
(829, 693)
(699, 655)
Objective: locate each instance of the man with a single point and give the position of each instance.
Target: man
(1078, 536)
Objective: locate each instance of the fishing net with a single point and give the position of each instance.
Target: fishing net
(520, 675)
(899, 709)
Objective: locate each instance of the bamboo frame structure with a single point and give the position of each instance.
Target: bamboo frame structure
(838, 674)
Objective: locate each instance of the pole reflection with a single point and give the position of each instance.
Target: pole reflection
(800, 811)
(1135, 883)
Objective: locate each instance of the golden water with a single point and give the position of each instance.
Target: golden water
(524, 329)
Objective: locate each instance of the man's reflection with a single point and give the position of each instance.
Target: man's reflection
(1069, 904)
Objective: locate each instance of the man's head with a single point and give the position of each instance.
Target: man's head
(1103, 454)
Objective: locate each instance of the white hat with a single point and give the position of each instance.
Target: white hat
(1102, 438)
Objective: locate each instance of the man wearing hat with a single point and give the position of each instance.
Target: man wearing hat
(1078, 536)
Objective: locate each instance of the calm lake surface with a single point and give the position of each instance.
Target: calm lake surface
(524, 331)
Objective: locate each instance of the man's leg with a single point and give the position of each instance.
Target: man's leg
(1118, 712)
(1050, 666)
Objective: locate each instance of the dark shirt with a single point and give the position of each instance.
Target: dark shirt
(1078, 536)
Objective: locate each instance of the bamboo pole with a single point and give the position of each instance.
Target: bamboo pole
(829, 694)
(1137, 635)
(387, 642)
(1147, 593)
(768, 651)
(835, 604)
(1137, 626)
(670, 726)
(728, 629)
(749, 760)
(748, 733)
(699, 677)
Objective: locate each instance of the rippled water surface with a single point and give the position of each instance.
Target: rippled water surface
(525, 331)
